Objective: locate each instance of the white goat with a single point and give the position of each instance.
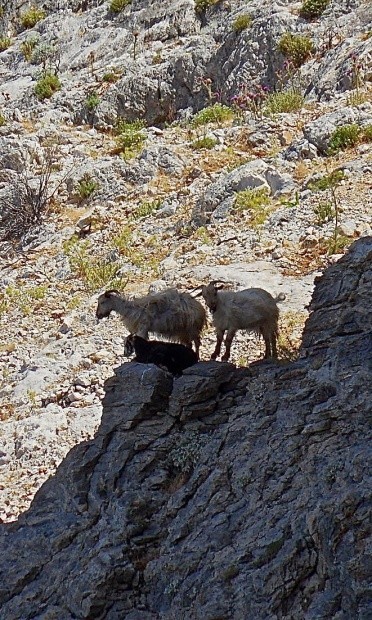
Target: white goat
(252, 309)
(171, 314)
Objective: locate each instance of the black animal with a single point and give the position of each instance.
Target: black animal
(174, 357)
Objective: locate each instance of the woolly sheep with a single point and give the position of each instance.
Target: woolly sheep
(169, 314)
(252, 309)
(175, 357)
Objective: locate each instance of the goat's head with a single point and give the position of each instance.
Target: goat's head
(209, 293)
(129, 345)
(105, 305)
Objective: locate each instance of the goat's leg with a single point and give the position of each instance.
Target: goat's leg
(228, 340)
(267, 347)
(197, 342)
(220, 334)
(273, 346)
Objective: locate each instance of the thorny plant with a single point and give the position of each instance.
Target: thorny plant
(27, 200)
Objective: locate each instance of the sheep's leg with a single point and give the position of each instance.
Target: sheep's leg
(228, 340)
(220, 334)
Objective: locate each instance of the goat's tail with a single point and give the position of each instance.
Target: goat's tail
(280, 297)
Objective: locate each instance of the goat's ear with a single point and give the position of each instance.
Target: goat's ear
(110, 292)
(219, 287)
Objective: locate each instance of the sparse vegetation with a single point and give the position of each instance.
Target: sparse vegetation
(312, 9)
(296, 47)
(186, 452)
(28, 46)
(242, 22)
(22, 298)
(95, 272)
(130, 137)
(111, 76)
(203, 5)
(146, 208)
(327, 181)
(217, 113)
(31, 17)
(87, 186)
(205, 142)
(256, 201)
(324, 213)
(47, 85)
(367, 133)
(5, 42)
(291, 325)
(116, 6)
(344, 137)
(284, 101)
(92, 101)
(2, 120)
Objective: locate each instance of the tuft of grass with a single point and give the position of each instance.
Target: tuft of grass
(326, 181)
(87, 186)
(117, 6)
(291, 326)
(296, 47)
(216, 113)
(256, 201)
(312, 9)
(31, 17)
(285, 101)
(28, 47)
(111, 77)
(324, 213)
(47, 85)
(92, 101)
(147, 208)
(203, 5)
(337, 243)
(242, 22)
(344, 137)
(94, 272)
(204, 143)
(2, 120)
(367, 133)
(5, 42)
(130, 137)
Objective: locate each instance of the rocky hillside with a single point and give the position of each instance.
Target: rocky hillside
(153, 144)
(228, 493)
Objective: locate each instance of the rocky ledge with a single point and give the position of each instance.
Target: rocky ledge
(224, 494)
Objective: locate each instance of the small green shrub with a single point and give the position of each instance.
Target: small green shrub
(324, 213)
(313, 8)
(204, 143)
(47, 85)
(111, 77)
(147, 208)
(217, 113)
(185, 452)
(117, 6)
(5, 42)
(337, 243)
(87, 186)
(326, 181)
(2, 120)
(256, 201)
(31, 17)
(24, 298)
(242, 22)
(296, 47)
(94, 272)
(284, 101)
(28, 46)
(92, 101)
(203, 5)
(130, 137)
(344, 137)
(2, 11)
(45, 54)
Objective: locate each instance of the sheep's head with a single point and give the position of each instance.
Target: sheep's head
(105, 305)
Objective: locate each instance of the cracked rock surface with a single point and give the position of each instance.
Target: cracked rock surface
(224, 494)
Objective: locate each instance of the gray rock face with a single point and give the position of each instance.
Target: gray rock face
(254, 174)
(227, 493)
